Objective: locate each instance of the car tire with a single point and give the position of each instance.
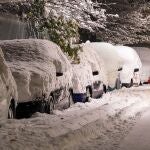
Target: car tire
(141, 83)
(131, 83)
(104, 88)
(118, 84)
(50, 105)
(88, 94)
(71, 102)
(12, 111)
(42, 107)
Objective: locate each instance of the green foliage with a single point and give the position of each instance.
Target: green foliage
(56, 29)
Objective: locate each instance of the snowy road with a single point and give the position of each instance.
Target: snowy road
(139, 137)
(101, 124)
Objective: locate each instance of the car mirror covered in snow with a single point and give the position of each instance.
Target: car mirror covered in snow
(95, 73)
(59, 74)
(120, 69)
(136, 69)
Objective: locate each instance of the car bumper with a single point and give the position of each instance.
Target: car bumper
(79, 97)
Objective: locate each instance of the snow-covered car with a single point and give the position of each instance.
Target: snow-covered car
(112, 64)
(8, 91)
(144, 54)
(42, 73)
(87, 76)
(82, 76)
(130, 74)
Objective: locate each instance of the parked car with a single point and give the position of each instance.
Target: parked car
(87, 79)
(8, 91)
(131, 73)
(42, 73)
(144, 53)
(112, 63)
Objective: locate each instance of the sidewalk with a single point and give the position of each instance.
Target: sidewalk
(139, 137)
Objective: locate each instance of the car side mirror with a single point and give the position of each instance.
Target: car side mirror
(120, 69)
(136, 69)
(95, 73)
(59, 74)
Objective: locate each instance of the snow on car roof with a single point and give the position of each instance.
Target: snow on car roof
(34, 51)
(129, 56)
(107, 52)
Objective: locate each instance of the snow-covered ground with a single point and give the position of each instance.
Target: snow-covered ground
(99, 124)
(138, 138)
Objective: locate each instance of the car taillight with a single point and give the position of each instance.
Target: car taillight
(149, 80)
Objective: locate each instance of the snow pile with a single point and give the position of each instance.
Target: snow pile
(8, 88)
(34, 64)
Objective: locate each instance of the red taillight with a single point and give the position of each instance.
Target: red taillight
(149, 80)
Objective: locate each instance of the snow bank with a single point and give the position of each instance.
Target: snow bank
(34, 64)
(8, 88)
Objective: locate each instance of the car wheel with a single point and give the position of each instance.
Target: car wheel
(118, 84)
(104, 88)
(50, 105)
(141, 83)
(43, 107)
(71, 102)
(11, 111)
(88, 94)
(131, 83)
